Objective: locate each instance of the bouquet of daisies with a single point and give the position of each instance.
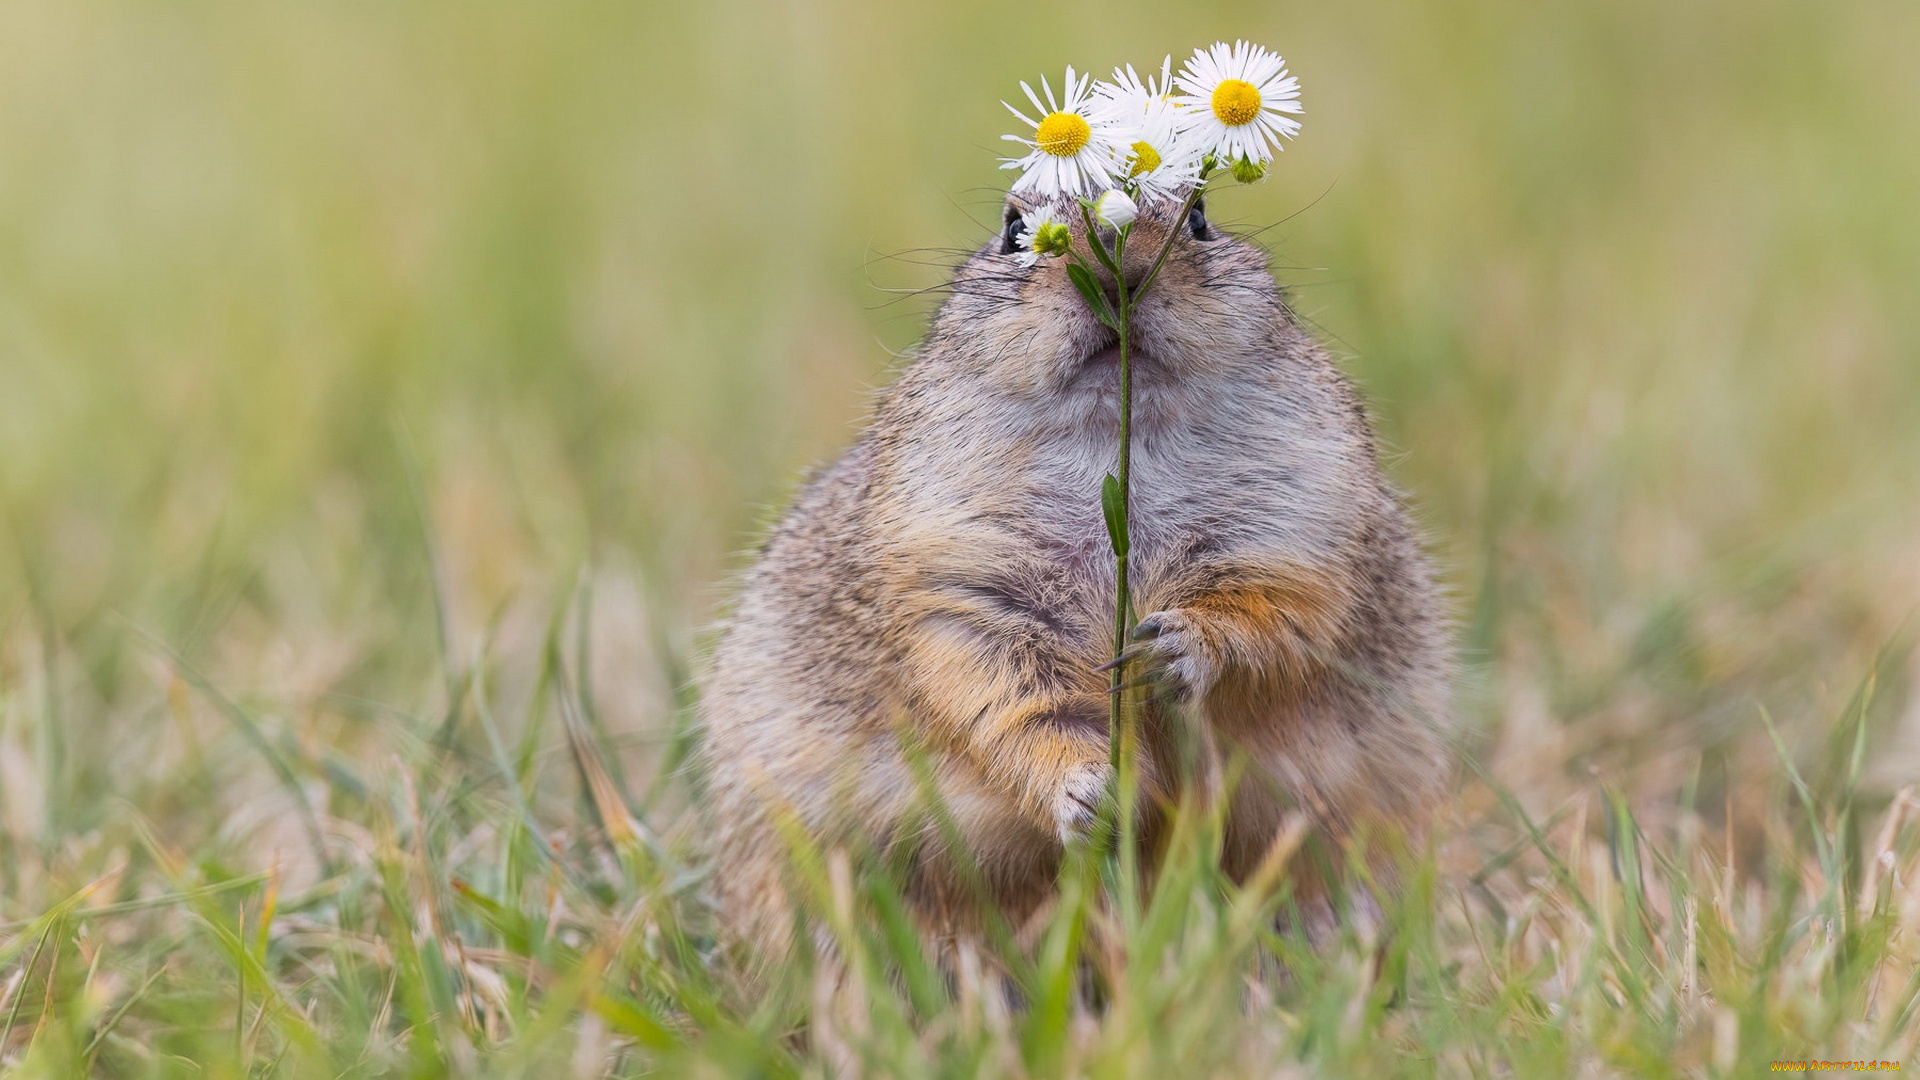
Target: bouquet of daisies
(1110, 148)
(1114, 145)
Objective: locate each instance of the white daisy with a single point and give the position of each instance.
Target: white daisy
(1238, 100)
(1073, 151)
(1160, 159)
(1042, 233)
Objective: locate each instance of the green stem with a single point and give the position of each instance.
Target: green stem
(1173, 230)
(1122, 729)
(1118, 730)
(1122, 738)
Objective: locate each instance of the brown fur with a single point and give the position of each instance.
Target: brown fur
(946, 585)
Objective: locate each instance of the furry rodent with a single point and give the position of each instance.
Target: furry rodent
(946, 589)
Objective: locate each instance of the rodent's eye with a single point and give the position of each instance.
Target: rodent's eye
(1197, 221)
(1010, 235)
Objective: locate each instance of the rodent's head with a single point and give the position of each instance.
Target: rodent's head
(1212, 309)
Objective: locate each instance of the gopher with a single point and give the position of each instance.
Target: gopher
(936, 606)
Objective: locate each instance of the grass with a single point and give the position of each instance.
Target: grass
(387, 389)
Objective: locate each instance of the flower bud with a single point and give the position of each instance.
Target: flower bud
(1115, 210)
(1042, 234)
(1052, 238)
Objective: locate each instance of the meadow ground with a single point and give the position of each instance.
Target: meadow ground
(387, 390)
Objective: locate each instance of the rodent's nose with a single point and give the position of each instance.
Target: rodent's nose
(1144, 243)
(1138, 262)
(1134, 264)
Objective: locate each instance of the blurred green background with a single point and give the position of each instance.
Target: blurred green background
(310, 309)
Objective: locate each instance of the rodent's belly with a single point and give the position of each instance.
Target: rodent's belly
(1058, 567)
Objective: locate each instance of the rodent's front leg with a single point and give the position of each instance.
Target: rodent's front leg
(1006, 689)
(1259, 623)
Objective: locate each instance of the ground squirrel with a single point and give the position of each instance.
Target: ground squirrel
(947, 583)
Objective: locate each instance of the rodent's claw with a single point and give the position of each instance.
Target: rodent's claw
(1174, 656)
(1077, 806)
(1151, 627)
(1137, 651)
(1144, 631)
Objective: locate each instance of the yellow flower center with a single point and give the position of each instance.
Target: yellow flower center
(1062, 134)
(1145, 160)
(1235, 102)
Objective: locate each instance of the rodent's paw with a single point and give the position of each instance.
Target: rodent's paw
(1077, 806)
(1174, 658)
